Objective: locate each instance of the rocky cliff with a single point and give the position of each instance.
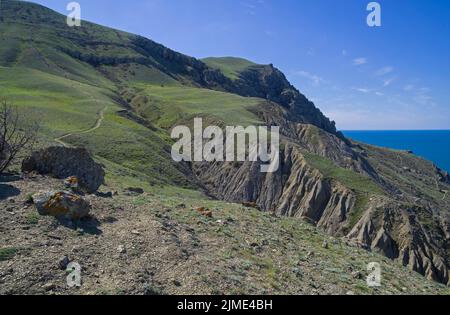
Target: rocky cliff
(334, 184)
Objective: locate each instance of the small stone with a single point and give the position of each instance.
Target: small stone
(325, 244)
(49, 286)
(135, 190)
(71, 182)
(63, 262)
(135, 232)
(297, 271)
(357, 275)
(121, 249)
(107, 194)
(350, 293)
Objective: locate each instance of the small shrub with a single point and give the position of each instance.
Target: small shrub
(29, 199)
(33, 218)
(7, 253)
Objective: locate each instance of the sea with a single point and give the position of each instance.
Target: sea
(433, 145)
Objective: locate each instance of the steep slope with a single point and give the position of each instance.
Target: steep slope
(231, 67)
(170, 248)
(68, 75)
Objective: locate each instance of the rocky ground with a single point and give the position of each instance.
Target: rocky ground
(146, 243)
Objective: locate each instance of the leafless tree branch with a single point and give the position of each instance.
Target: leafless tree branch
(17, 134)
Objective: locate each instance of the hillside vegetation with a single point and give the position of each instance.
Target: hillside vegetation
(119, 94)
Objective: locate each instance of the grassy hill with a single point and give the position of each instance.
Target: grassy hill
(66, 76)
(230, 66)
(118, 95)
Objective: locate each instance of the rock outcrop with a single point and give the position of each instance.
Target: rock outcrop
(320, 178)
(394, 230)
(61, 204)
(62, 162)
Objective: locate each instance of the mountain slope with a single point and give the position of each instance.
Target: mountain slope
(67, 76)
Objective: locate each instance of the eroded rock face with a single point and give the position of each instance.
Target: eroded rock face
(61, 204)
(387, 222)
(392, 229)
(62, 162)
(295, 190)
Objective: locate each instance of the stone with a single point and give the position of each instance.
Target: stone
(64, 262)
(204, 212)
(357, 275)
(135, 190)
(49, 286)
(61, 204)
(121, 249)
(62, 162)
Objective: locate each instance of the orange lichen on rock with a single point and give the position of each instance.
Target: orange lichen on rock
(61, 204)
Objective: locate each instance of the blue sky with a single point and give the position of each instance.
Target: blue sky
(396, 76)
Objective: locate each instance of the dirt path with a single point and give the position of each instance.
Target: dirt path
(97, 125)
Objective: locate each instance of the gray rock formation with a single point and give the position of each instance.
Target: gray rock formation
(391, 220)
(62, 162)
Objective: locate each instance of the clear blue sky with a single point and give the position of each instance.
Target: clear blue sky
(393, 77)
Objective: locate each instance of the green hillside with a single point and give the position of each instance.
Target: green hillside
(166, 106)
(66, 76)
(230, 66)
(119, 94)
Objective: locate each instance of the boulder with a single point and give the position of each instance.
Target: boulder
(62, 163)
(61, 204)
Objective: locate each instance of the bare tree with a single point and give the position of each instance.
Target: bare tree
(17, 134)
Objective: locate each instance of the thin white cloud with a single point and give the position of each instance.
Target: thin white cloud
(362, 90)
(408, 87)
(423, 97)
(388, 82)
(359, 61)
(252, 6)
(315, 79)
(384, 71)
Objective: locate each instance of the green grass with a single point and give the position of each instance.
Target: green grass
(33, 218)
(7, 253)
(169, 105)
(229, 66)
(363, 186)
(350, 179)
(60, 105)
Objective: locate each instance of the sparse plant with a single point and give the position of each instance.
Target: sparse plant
(29, 199)
(7, 253)
(17, 134)
(33, 218)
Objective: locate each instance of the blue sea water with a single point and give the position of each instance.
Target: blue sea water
(433, 145)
